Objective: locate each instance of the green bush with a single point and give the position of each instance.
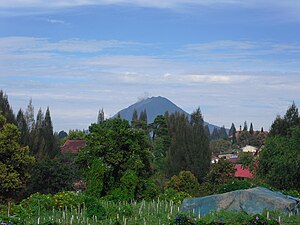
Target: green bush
(234, 185)
(94, 207)
(174, 195)
(67, 199)
(182, 219)
(261, 220)
(185, 182)
(11, 220)
(34, 205)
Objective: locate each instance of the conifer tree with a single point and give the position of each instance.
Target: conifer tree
(100, 116)
(215, 134)
(51, 148)
(29, 116)
(6, 109)
(189, 148)
(207, 132)
(223, 133)
(143, 120)
(245, 126)
(22, 125)
(199, 154)
(134, 119)
(251, 131)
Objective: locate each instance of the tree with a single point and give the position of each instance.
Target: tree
(100, 118)
(51, 146)
(142, 122)
(15, 161)
(281, 126)
(43, 144)
(215, 134)
(232, 133)
(223, 133)
(120, 164)
(185, 182)
(161, 142)
(134, 119)
(244, 138)
(251, 131)
(220, 172)
(23, 128)
(62, 134)
(6, 109)
(279, 160)
(189, 148)
(245, 126)
(220, 146)
(76, 135)
(29, 116)
(199, 153)
(52, 176)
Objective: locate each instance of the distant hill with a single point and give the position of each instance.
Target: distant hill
(154, 106)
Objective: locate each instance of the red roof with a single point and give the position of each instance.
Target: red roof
(242, 172)
(72, 146)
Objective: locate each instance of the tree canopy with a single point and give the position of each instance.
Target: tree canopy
(15, 160)
(116, 154)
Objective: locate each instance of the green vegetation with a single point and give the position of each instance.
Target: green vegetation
(138, 173)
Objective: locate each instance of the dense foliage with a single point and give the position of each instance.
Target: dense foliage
(15, 161)
(279, 161)
(116, 160)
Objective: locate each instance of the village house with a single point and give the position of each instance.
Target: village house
(72, 146)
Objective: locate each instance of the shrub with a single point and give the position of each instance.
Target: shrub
(235, 185)
(261, 220)
(174, 195)
(185, 182)
(182, 219)
(94, 207)
(34, 205)
(67, 199)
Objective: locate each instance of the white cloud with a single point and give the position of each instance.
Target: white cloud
(31, 44)
(216, 79)
(54, 21)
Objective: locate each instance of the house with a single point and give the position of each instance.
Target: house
(250, 149)
(72, 146)
(242, 172)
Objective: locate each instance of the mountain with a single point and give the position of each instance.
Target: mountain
(155, 106)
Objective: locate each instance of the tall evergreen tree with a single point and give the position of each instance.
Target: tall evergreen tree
(199, 154)
(134, 119)
(223, 133)
(100, 118)
(232, 133)
(6, 109)
(215, 134)
(143, 120)
(22, 125)
(245, 126)
(51, 148)
(29, 116)
(251, 131)
(189, 148)
(281, 126)
(207, 132)
(38, 143)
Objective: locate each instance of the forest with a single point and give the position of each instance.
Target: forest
(135, 172)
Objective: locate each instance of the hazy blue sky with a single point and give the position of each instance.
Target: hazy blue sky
(236, 59)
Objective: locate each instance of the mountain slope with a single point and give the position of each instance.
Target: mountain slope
(154, 106)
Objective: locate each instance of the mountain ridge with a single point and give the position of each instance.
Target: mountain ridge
(155, 106)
